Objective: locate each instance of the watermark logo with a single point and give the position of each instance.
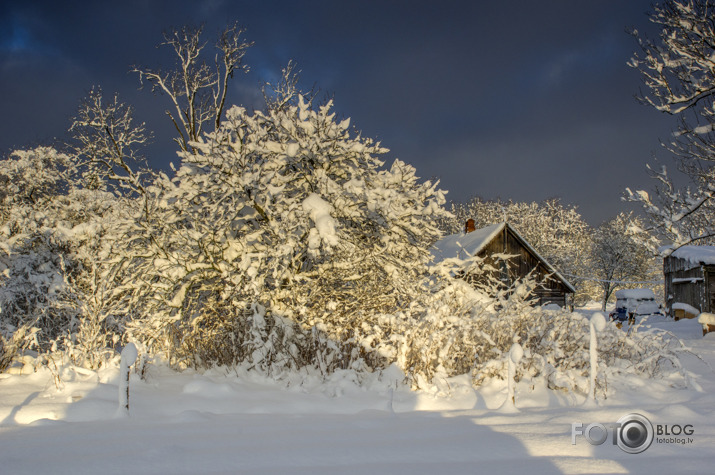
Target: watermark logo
(633, 433)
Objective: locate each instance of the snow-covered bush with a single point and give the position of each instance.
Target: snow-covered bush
(50, 237)
(13, 346)
(464, 331)
(287, 210)
(31, 260)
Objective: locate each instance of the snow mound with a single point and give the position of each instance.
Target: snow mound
(706, 319)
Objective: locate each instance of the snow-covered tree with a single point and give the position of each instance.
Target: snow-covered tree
(106, 143)
(58, 217)
(276, 218)
(621, 255)
(50, 236)
(679, 74)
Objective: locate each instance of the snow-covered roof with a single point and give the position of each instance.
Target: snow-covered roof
(464, 245)
(635, 294)
(696, 254)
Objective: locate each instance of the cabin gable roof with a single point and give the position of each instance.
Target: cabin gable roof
(463, 246)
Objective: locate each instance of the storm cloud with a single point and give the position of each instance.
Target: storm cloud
(518, 100)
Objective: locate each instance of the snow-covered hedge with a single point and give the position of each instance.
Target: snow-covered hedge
(463, 332)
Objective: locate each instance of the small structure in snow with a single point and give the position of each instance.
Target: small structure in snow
(500, 240)
(689, 274)
(632, 303)
(683, 310)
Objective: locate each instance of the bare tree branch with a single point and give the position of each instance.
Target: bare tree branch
(197, 91)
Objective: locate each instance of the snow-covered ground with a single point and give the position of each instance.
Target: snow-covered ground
(238, 422)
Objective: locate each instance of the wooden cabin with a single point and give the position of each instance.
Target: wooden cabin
(689, 274)
(502, 240)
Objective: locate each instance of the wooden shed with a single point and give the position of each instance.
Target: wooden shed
(689, 274)
(500, 240)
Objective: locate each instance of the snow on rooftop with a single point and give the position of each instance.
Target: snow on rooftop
(635, 294)
(686, 308)
(463, 246)
(696, 254)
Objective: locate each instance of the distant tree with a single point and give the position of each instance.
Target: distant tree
(197, 89)
(679, 75)
(621, 255)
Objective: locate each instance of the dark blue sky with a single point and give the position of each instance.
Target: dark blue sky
(520, 100)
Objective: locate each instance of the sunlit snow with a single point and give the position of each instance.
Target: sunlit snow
(235, 421)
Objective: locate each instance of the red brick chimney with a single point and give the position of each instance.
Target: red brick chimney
(469, 226)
